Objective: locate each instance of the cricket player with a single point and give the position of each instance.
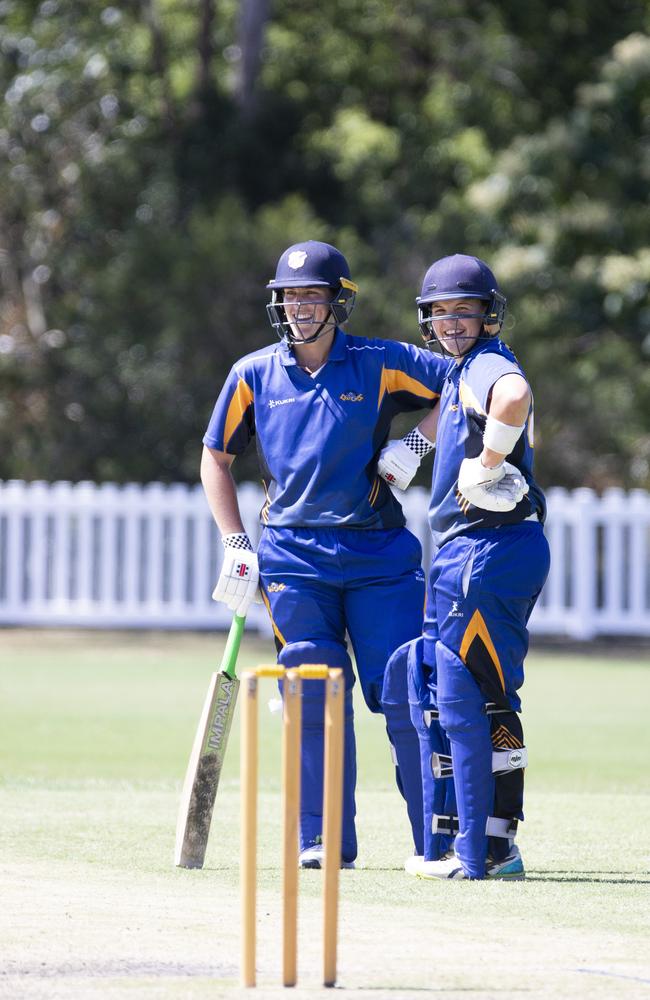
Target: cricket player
(334, 555)
(491, 562)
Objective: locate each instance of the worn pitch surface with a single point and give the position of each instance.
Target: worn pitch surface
(96, 731)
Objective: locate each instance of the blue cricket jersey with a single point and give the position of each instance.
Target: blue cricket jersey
(319, 437)
(463, 411)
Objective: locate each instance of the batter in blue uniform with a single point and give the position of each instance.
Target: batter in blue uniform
(491, 562)
(334, 556)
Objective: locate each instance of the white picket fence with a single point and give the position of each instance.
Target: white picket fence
(147, 557)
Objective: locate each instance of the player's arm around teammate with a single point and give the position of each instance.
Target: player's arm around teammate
(334, 555)
(491, 562)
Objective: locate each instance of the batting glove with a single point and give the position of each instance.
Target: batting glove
(237, 585)
(400, 460)
(498, 489)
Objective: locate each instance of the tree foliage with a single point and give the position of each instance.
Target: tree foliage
(157, 156)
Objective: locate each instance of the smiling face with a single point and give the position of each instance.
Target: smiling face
(457, 324)
(306, 309)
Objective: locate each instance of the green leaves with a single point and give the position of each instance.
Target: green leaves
(146, 199)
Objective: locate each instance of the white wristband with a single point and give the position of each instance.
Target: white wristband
(500, 437)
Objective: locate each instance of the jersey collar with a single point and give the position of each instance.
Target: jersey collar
(337, 350)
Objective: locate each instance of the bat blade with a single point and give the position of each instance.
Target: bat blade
(207, 757)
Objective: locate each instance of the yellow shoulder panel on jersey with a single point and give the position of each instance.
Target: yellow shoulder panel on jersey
(241, 400)
(394, 380)
(468, 399)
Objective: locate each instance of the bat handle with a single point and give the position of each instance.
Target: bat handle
(233, 642)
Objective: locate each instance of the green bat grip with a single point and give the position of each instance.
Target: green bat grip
(233, 642)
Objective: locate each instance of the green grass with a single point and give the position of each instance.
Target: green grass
(95, 734)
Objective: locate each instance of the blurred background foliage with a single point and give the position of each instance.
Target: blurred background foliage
(158, 155)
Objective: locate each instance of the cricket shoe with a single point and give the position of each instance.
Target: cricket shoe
(416, 865)
(449, 867)
(314, 857)
(511, 867)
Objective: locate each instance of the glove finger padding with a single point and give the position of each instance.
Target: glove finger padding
(237, 585)
(498, 489)
(516, 481)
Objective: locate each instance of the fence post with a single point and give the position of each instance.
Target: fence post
(37, 499)
(639, 570)
(176, 502)
(85, 502)
(13, 501)
(611, 518)
(584, 565)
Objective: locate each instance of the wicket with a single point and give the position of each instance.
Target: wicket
(332, 814)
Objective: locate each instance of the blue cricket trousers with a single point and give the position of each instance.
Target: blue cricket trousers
(481, 591)
(318, 585)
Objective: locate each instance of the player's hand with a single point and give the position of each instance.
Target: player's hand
(398, 464)
(237, 585)
(498, 489)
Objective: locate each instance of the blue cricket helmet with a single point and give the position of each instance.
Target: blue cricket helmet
(312, 264)
(461, 276)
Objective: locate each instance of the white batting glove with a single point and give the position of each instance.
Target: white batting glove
(498, 489)
(237, 585)
(398, 464)
(400, 460)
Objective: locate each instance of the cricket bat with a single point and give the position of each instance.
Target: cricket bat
(206, 759)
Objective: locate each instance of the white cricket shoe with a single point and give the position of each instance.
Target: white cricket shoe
(314, 857)
(416, 865)
(449, 867)
(413, 864)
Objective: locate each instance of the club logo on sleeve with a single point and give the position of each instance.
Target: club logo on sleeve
(296, 259)
(275, 588)
(351, 397)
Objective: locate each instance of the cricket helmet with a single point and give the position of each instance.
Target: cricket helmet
(455, 277)
(312, 264)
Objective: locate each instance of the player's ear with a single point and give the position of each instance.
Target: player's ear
(491, 328)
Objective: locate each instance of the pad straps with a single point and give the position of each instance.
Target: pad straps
(495, 826)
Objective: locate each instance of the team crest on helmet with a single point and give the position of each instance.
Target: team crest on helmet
(296, 259)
